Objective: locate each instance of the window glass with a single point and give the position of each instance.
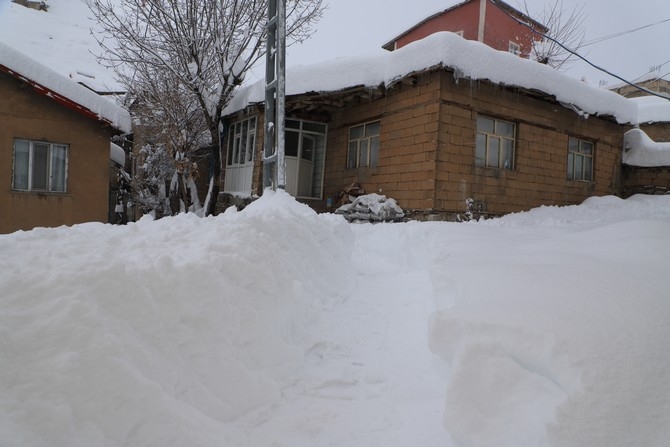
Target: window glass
(291, 143)
(374, 151)
(314, 127)
(363, 153)
(571, 165)
(508, 154)
(587, 147)
(308, 143)
(588, 168)
(356, 132)
(242, 153)
(58, 167)
(485, 125)
(480, 150)
(492, 158)
(372, 129)
(353, 154)
(292, 124)
(573, 144)
(40, 165)
(21, 164)
(505, 129)
(579, 168)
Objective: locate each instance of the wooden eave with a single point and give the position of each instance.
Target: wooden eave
(60, 99)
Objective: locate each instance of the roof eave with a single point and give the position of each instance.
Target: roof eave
(63, 100)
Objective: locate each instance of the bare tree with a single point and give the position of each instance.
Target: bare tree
(183, 59)
(566, 32)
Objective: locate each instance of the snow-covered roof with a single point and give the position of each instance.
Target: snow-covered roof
(469, 59)
(640, 150)
(62, 89)
(652, 109)
(117, 154)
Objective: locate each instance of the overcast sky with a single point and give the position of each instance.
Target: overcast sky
(358, 27)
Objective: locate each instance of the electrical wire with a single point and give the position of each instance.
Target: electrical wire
(622, 33)
(574, 53)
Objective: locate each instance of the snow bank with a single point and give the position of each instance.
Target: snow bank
(640, 150)
(558, 338)
(469, 59)
(160, 333)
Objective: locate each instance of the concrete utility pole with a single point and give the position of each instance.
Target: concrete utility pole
(274, 167)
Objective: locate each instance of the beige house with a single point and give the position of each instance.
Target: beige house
(443, 125)
(54, 147)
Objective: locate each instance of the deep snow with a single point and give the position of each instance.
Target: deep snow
(276, 327)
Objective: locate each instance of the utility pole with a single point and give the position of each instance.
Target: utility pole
(274, 167)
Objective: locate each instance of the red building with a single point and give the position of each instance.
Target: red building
(493, 22)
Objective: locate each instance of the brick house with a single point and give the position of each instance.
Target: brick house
(492, 22)
(649, 174)
(54, 147)
(434, 125)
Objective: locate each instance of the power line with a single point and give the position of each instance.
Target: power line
(621, 33)
(574, 53)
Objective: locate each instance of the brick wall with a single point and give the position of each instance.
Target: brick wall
(540, 172)
(427, 144)
(407, 157)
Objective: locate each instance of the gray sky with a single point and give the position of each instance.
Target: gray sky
(359, 27)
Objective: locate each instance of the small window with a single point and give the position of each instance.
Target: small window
(514, 48)
(580, 159)
(39, 166)
(363, 145)
(494, 145)
(241, 142)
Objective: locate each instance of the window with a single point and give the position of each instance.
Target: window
(39, 166)
(363, 145)
(495, 143)
(241, 142)
(580, 159)
(514, 48)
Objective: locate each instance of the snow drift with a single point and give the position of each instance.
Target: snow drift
(158, 333)
(278, 327)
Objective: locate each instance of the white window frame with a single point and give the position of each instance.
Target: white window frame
(241, 133)
(364, 148)
(580, 159)
(514, 48)
(52, 181)
(491, 145)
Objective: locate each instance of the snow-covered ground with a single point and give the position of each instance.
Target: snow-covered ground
(278, 327)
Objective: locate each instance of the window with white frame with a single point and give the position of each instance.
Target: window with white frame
(363, 145)
(514, 48)
(494, 147)
(241, 142)
(39, 166)
(580, 159)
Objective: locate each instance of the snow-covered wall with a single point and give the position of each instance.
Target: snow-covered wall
(640, 150)
(30, 70)
(467, 58)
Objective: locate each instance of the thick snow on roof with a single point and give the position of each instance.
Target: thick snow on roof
(61, 38)
(640, 150)
(652, 109)
(30, 70)
(117, 154)
(469, 59)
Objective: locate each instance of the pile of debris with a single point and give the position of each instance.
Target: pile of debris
(372, 208)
